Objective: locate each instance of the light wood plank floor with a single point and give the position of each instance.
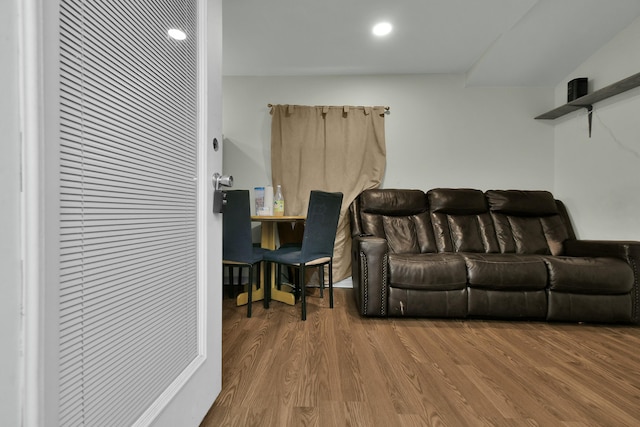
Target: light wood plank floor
(339, 369)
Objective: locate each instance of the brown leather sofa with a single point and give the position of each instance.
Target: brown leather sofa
(499, 254)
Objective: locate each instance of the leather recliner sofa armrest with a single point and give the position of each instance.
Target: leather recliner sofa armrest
(626, 250)
(629, 251)
(369, 263)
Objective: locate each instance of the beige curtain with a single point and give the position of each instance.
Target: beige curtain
(330, 149)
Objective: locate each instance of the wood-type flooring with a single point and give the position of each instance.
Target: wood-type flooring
(340, 369)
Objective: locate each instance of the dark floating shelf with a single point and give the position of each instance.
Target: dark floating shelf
(587, 101)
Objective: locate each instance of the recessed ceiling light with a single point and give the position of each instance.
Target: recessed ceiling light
(177, 34)
(382, 29)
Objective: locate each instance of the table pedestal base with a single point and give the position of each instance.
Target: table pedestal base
(268, 241)
(258, 295)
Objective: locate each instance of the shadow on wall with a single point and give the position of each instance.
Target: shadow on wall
(246, 171)
(265, 142)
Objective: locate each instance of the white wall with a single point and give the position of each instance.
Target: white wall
(599, 177)
(9, 218)
(439, 132)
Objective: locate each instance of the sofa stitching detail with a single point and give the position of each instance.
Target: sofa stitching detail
(365, 281)
(636, 299)
(385, 262)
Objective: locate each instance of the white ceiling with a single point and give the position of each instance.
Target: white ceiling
(493, 42)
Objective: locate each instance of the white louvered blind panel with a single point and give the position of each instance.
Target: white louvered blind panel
(128, 232)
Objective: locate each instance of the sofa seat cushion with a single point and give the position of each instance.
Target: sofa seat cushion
(439, 272)
(508, 304)
(420, 303)
(571, 307)
(583, 275)
(506, 271)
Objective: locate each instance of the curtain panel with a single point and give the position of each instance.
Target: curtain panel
(327, 148)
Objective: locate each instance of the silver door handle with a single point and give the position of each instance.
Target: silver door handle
(221, 180)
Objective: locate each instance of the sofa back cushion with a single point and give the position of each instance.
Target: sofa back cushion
(400, 216)
(461, 221)
(527, 222)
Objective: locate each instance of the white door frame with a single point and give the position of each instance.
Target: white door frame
(32, 229)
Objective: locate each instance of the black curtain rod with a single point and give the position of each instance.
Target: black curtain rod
(385, 108)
